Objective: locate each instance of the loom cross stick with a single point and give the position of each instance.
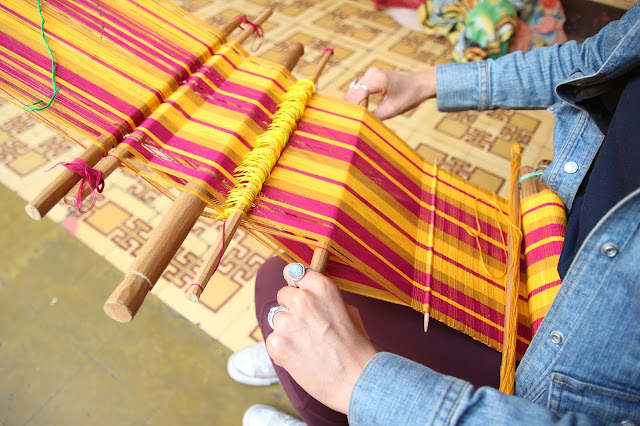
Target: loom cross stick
(243, 194)
(164, 242)
(68, 181)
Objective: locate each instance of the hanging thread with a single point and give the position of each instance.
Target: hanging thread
(92, 177)
(53, 69)
(258, 31)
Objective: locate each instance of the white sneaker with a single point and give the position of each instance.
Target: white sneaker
(263, 415)
(252, 366)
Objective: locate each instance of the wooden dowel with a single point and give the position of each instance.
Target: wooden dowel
(107, 166)
(320, 67)
(153, 257)
(319, 260)
(52, 193)
(529, 185)
(511, 284)
(166, 239)
(250, 29)
(212, 258)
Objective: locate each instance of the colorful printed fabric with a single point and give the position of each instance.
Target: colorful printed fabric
(480, 29)
(398, 228)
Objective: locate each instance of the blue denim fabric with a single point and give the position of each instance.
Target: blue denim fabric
(583, 366)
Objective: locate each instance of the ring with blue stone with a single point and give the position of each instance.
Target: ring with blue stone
(296, 272)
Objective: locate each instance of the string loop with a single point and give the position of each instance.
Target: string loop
(92, 177)
(258, 31)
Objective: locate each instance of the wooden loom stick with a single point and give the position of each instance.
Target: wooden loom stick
(166, 239)
(110, 163)
(510, 332)
(52, 193)
(215, 253)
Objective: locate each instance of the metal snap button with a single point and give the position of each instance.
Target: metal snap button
(609, 249)
(571, 167)
(557, 337)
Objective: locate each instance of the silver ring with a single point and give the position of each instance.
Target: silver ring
(296, 272)
(272, 313)
(355, 85)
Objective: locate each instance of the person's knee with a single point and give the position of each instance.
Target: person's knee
(268, 281)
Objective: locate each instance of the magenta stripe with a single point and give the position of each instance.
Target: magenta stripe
(541, 206)
(552, 248)
(547, 231)
(545, 287)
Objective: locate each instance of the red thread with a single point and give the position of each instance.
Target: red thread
(196, 284)
(90, 176)
(258, 30)
(327, 49)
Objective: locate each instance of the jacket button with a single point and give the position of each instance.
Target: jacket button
(609, 249)
(571, 167)
(557, 337)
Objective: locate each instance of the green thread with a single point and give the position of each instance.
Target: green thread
(53, 69)
(537, 172)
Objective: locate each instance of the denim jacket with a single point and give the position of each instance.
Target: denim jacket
(583, 365)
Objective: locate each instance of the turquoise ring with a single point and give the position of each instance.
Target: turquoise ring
(296, 272)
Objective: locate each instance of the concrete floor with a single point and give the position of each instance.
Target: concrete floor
(63, 362)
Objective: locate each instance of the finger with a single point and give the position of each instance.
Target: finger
(374, 79)
(285, 295)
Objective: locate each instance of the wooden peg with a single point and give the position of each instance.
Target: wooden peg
(52, 193)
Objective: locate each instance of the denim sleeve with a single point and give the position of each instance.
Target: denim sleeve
(395, 391)
(529, 80)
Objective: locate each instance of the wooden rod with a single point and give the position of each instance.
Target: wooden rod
(166, 239)
(512, 281)
(250, 29)
(319, 260)
(154, 256)
(52, 193)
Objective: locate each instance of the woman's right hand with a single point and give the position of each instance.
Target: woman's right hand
(400, 90)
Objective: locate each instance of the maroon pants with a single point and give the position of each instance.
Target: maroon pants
(392, 328)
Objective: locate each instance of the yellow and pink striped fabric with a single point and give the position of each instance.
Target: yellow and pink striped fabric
(398, 228)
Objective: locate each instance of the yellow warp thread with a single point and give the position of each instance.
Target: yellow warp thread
(508, 365)
(257, 164)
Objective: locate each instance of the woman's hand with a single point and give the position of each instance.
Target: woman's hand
(401, 90)
(320, 341)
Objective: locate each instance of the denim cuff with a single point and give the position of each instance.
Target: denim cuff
(395, 390)
(463, 86)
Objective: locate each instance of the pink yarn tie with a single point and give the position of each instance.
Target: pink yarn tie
(93, 178)
(258, 30)
(327, 49)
